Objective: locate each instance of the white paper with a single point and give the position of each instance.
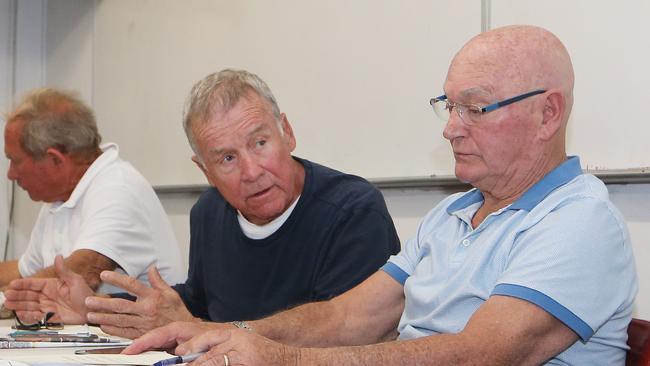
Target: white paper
(146, 358)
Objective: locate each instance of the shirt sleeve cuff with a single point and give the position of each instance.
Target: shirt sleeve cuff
(394, 271)
(582, 329)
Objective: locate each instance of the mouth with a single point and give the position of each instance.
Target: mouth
(260, 193)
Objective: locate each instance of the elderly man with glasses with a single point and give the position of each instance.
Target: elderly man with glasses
(532, 266)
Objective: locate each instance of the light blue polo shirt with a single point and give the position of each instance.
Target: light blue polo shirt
(562, 246)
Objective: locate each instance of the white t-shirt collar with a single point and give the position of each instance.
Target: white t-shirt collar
(253, 231)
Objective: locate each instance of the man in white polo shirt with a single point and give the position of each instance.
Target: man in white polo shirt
(99, 212)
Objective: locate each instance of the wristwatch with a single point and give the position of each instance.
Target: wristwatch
(242, 325)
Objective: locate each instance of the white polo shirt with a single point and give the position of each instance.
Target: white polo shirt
(114, 211)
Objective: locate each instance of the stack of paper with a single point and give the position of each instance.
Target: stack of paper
(70, 336)
(147, 358)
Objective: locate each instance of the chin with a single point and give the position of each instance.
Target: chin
(265, 216)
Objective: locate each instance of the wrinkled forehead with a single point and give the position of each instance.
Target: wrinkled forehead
(482, 69)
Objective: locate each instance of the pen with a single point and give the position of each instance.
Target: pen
(179, 359)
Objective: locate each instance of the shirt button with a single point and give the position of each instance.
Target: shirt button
(466, 242)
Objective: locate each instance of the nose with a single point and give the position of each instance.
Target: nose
(11, 173)
(455, 127)
(251, 169)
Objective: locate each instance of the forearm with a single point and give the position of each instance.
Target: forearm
(8, 272)
(436, 350)
(311, 325)
(87, 263)
(368, 313)
(505, 331)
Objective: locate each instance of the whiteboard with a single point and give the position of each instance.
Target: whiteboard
(353, 77)
(609, 43)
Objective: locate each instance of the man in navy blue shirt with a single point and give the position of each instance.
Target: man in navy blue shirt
(275, 230)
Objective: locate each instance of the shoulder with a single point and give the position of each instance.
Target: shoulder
(208, 201)
(583, 199)
(580, 213)
(118, 175)
(345, 191)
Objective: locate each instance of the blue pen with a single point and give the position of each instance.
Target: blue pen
(179, 359)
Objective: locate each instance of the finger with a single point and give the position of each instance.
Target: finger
(156, 280)
(29, 316)
(211, 358)
(63, 272)
(23, 305)
(203, 342)
(130, 284)
(48, 306)
(33, 284)
(22, 295)
(159, 338)
(130, 333)
(117, 320)
(112, 305)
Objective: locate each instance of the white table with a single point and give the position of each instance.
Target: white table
(52, 353)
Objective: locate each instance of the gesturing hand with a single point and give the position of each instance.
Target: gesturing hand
(31, 298)
(155, 306)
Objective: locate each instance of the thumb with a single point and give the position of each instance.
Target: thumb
(63, 272)
(155, 280)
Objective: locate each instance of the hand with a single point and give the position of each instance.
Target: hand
(241, 348)
(171, 335)
(31, 298)
(155, 306)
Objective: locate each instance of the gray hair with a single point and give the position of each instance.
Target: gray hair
(56, 119)
(222, 90)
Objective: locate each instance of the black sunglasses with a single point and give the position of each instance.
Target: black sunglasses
(45, 323)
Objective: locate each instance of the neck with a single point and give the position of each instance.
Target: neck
(299, 173)
(514, 184)
(74, 175)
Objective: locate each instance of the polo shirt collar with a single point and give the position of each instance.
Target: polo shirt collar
(561, 175)
(108, 156)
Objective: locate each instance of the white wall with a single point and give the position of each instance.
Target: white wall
(23, 29)
(6, 87)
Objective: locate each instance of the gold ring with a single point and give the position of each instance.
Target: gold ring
(226, 361)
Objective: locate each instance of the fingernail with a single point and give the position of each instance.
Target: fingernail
(90, 301)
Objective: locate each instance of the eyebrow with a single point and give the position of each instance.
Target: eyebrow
(475, 92)
(257, 130)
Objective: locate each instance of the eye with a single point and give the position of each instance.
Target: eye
(261, 142)
(228, 158)
(473, 110)
(449, 107)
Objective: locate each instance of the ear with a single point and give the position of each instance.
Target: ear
(289, 138)
(198, 163)
(56, 156)
(552, 115)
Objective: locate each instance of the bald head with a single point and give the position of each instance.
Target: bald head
(518, 59)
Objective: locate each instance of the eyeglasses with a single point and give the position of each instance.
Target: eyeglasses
(469, 113)
(44, 323)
